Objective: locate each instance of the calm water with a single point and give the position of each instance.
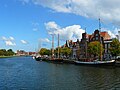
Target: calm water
(24, 73)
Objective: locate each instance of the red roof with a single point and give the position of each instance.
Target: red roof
(105, 35)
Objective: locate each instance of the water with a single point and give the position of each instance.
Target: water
(24, 73)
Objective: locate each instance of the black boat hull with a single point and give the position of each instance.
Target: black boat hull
(38, 58)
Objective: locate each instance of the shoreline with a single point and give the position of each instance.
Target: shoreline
(10, 56)
(7, 56)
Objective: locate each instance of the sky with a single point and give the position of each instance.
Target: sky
(29, 24)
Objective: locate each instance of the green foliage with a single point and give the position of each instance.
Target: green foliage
(66, 51)
(95, 48)
(115, 47)
(44, 51)
(63, 51)
(9, 52)
(60, 50)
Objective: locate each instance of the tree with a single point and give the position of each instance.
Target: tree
(10, 52)
(95, 48)
(4, 52)
(56, 51)
(115, 47)
(44, 51)
(66, 51)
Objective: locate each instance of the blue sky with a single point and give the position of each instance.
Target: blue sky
(27, 24)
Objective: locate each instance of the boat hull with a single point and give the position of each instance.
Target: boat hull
(97, 63)
(38, 58)
(56, 60)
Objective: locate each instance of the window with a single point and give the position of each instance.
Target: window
(96, 35)
(108, 45)
(105, 50)
(96, 38)
(105, 45)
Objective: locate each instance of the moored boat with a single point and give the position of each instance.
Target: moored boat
(57, 60)
(110, 62)
(37, 58)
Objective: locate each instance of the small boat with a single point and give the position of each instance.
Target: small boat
(37, 58)
(110, 62)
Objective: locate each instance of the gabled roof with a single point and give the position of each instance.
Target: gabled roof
(88, 35)
(105, 35)
(91, 36)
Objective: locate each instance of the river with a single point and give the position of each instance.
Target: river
(24, 73)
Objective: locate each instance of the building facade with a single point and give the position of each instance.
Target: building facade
(79, 48)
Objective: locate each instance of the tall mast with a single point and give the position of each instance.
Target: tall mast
(85, 29)
(99, 25)
(100, 40)
(85, 44)
(58, 46)
(52, 45)
(39, 45)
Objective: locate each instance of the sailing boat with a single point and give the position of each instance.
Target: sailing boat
(96, 62)
(53, 59)
(37, 56)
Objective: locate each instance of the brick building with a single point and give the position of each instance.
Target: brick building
(103, 37)
(79, 48)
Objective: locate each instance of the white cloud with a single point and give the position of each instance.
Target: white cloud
(10, 43)
(7, 39)
(11, 38)
(4, 38)
(45, 40)
(35, 26)
(73, 32)
(24, 42)
(58, 5)
(35, 29)
(107, 10)
(113, 32)
(24, 1)
(52, 27)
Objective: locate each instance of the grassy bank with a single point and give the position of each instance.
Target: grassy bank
(6, 56)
